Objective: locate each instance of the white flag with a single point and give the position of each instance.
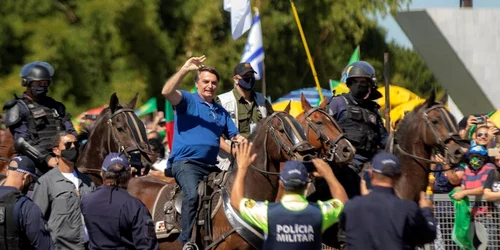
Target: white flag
(227, 5)
(254, 49)
(241, 17)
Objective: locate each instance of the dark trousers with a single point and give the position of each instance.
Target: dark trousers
(188, 175)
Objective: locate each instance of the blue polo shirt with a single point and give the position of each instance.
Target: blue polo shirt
(198, 126)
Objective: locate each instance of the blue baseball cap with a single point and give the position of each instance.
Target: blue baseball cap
(294, 173)
(386, 164)
(113, 159)
(23, 164)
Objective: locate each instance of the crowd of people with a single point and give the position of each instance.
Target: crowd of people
(46, 203)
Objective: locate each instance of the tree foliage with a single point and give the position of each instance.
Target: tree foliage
(127, 46)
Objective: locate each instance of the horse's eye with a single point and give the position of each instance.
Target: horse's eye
(120, 129)
(435, 121)
(319, 122)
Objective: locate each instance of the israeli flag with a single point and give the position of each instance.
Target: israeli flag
(241, 16)
(254, 50)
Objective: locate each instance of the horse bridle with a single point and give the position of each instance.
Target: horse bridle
(330, 155)
(450, 126)
(291, 152)
(140, 143)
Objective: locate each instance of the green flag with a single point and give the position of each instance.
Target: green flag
(148, 107)
(461, 234)
(193, 89)
(355, 56)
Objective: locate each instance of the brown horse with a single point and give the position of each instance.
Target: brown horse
(326, 136)
(427, 130)
(6, 152)
(117, 129)
(278, 137)
(324, 133)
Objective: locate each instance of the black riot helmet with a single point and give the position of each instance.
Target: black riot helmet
(36, 71)
(359, 69)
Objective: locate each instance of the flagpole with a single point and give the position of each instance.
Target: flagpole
(311, 63)
(264, 79)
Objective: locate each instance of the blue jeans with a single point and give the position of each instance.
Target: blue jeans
(188, 175)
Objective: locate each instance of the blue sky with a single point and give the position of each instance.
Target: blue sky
(394, 32)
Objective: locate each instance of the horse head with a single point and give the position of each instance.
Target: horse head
(117, 129)
(282, 138)
(436, 127)
(324, 133)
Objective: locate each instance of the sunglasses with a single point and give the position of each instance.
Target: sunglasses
(67, 145)
(481, 134)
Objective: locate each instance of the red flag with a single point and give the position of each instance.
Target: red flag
(169, 117)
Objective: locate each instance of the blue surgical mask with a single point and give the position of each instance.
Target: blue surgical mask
(247, 83)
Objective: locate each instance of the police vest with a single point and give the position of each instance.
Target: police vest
(361, 128)
(43, 124)
(229, 102)
(291, 230)
(11, 235)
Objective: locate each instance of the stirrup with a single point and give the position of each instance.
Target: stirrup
(190, 246)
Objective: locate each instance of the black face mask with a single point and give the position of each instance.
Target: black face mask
(247, 83)
(70, 154)
(359, 91)
(39, 91)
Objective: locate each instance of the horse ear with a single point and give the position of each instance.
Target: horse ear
(431, 100)
(303, 101)
(132, 102)
(113, 102)
(288, 107)
(444, 98)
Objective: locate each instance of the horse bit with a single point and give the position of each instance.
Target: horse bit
(330, 155)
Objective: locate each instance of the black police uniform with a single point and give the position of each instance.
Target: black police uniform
(381, 220)
(21, 223)
(37, 122)
(116, 220)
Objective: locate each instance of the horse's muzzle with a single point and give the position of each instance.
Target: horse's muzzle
(455, 154)
(344, 152)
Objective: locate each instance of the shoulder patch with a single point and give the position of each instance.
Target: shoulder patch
(334, 204)
(249, 203)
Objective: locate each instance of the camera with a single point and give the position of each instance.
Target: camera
(309, 166)
(480, 120)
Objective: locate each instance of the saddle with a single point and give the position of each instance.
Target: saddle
(168, 205)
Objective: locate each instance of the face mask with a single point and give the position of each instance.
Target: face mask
(39, 90)
(476, 163)
(247, 83)
(70, 154)
(359, 91)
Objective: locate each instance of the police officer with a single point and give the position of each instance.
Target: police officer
(115, 219)
(380, 219)
(245, 106)
(21, 222)
(358, 115)
(292, 223)
(35, 117)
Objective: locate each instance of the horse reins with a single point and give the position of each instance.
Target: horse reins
(452, 134)
(281, 145)
(322, 136)
(140, 143)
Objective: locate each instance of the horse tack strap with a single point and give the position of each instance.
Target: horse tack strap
(252, 235)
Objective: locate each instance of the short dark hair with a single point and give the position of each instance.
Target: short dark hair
(206, 68)
(117, 175)
(57, 138)
(157, 146)
(296, 187)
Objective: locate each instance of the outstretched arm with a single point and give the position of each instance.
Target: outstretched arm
(244, 158)
(169, 90)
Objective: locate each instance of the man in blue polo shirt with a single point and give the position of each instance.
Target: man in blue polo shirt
(199, 123)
